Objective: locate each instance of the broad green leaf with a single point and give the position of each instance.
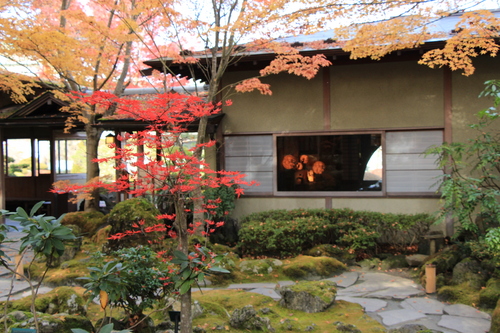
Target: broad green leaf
(185, 287)
(219, 269)
(106, 328)
(36, 207)
(180, 255)
(22, 213)
(78, 330)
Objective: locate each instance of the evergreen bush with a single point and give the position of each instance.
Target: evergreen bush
(285, 233)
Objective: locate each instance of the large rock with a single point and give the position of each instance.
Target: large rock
(260, 266)
(416, 260)
(247, 318)
(308, 296)
(469, 271)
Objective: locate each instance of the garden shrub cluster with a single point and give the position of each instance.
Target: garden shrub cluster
(89, 222)
(283, 233)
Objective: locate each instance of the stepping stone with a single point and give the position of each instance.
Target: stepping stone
(463, 310)
(345, 280)
(18, 286)
(396, 293)
(465, 324)
(388, 280)
(267, 292)
(41, 291)
(369, 304)
(396, 317)
(423, 305)
(270, 285)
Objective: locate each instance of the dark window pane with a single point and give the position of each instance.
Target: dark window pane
(329, 163)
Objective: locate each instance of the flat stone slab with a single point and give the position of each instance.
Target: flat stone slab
(368, 304)
(41, 291)
(423, 305)
(18, 286)
(396, 317)
(266, 292)
(378, 281)
(269, 285)
(463, 310)
(465, 324)
(396, 293)
(345, 280)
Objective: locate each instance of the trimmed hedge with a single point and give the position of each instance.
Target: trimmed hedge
(285, 233)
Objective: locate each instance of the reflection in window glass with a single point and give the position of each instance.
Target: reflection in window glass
(330, 163)
(70, 156)
(42, 157)
(18, 157)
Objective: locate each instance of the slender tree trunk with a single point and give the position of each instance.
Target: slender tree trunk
(93, 136)
(181, 226)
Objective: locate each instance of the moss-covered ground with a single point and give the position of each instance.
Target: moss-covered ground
(219, 303)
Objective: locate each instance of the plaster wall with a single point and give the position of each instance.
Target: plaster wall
(246, 205)
(295, 105)
(385, 95)
(465, 101)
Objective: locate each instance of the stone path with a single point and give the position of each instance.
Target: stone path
(394, 302)
(391, 300)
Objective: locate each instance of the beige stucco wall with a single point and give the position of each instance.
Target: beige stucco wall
(465, 103)
(386, 95)
(364, 96)
(295, 105)
(245, 206)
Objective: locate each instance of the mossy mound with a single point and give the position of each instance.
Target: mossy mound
(259, 266)
(445, 260)
(489, 296)
(219, 304)
(89, 222)
(334, 251)
(495, 319)
(306, 267)
(132, 215)
(461, 293)
(326, 290)
(67, 300)
(61, 323)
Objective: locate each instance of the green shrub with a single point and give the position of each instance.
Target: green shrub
(285, 233)
(89, 222)
(132, 215)
(305, 266)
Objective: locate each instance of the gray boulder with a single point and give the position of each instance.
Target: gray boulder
(247, 318)
(308, 296)
(416, 260)
(469, 271)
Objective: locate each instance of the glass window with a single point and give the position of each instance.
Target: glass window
(409, 170)
(348, 162)
(252, 156)
(70, 156)
(42, 154)
(18, 158)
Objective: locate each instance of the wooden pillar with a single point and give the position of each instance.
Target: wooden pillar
(2, 174)
(448, 129)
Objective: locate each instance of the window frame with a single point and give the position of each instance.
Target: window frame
(340, 194)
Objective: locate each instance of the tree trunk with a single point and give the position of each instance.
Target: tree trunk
(93, 136)
(186, 320)
(181, 226)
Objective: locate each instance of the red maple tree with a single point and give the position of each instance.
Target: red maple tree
(156, 162)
